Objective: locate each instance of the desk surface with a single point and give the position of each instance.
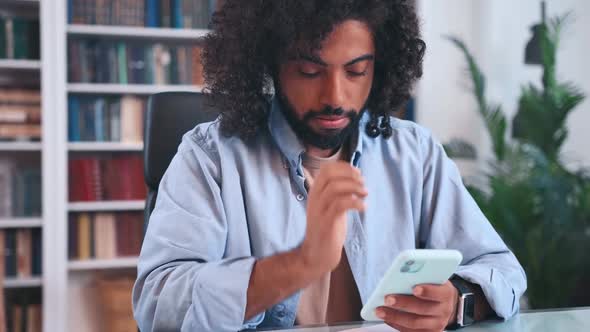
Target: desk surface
(575, 319)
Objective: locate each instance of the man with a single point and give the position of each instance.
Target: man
(288, 209)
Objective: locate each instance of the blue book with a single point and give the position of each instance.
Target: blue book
(152, 14)
(73, 119)
(99, 134)
(177, 18)
(88, 133)
(70, 11)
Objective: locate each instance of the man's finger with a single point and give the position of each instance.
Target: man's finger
(343, 204)
(334, 171)
(412, 304)
(436, 293)
(409, 320)
(342, 187)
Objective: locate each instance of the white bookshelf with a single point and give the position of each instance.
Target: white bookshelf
(103, 264)
(136, 89)
(62, 307)
(101, 206)
(105, 147)
(18, 65)
(160, 34)
(23, 282)
(20, 146)
(20, 222)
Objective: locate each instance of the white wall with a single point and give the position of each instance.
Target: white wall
(496, 32)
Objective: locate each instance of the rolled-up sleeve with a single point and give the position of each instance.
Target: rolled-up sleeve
(451, 219)
(185, 281)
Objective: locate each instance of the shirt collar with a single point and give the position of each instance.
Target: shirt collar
(291, 146)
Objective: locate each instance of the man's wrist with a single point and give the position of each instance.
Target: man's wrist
(456, 299)
(465, 304)
(306, 269)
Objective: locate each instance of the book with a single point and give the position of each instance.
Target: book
(18, 317)
(20, 114)
(129, 234)
(10, 253)
(73, 237)
(197, 67)
(132, 112)
(85, 180)
(166, 14)
(84, 236)
(3, 37)
(131, 62)
(37, 252)
(7, 169)
(152, 13)
(24, 247)
(25, 132)
(34, 318)
(10, 96)
(104, 235)
(9, 28)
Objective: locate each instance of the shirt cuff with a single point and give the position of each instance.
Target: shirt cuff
(498, 293)
(225, 304)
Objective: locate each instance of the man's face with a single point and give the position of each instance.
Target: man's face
(323, 94)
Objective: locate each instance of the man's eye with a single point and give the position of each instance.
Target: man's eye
(356, 73)
(309, 74)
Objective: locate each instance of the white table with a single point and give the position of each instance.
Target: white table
(574, 319)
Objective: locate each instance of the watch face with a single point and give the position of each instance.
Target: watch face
(469, 310)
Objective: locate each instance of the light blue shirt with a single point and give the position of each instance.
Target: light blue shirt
(225, 202)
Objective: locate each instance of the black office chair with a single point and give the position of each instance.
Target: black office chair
(169, 116)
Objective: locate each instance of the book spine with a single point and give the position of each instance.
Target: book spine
(152, 13)
(10, 253)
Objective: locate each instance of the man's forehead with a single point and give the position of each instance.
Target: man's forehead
(346, 43)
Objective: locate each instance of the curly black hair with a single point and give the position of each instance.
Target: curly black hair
(251, 38)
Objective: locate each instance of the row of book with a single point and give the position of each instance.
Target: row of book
(19, 38)
(182, 14)
(106, 178)
(23, 311)
(22, 251)
(20, 114)
(101, 61)
(20, 189)
(106, 119)
(105, 235)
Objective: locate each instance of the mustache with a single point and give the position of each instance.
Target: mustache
(329, 111)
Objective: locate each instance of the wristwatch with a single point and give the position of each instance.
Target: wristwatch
(465, 306)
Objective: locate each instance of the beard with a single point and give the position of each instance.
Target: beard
(326, 139)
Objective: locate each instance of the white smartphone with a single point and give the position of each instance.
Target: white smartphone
(411, 268)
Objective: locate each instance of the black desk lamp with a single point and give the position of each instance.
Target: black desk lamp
(533, 53)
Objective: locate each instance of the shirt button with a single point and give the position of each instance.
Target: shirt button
(300, 197)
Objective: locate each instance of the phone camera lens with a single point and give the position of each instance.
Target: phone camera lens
(405, 268)
(410, 262)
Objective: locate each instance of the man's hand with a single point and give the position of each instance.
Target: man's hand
(337, 189)
(430, 309)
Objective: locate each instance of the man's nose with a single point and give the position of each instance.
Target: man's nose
(333, 91)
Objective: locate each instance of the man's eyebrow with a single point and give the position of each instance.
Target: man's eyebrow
(369, 57)
(314, 59)
(317, 60)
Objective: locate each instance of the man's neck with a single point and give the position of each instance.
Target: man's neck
(320, 153)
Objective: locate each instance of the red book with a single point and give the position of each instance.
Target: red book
(85, 180)
(122, 236)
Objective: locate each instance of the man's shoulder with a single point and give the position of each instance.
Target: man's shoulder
(209, 138)
(409, 128)
(406, 135)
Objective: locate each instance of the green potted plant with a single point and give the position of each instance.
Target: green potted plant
(540, 208)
